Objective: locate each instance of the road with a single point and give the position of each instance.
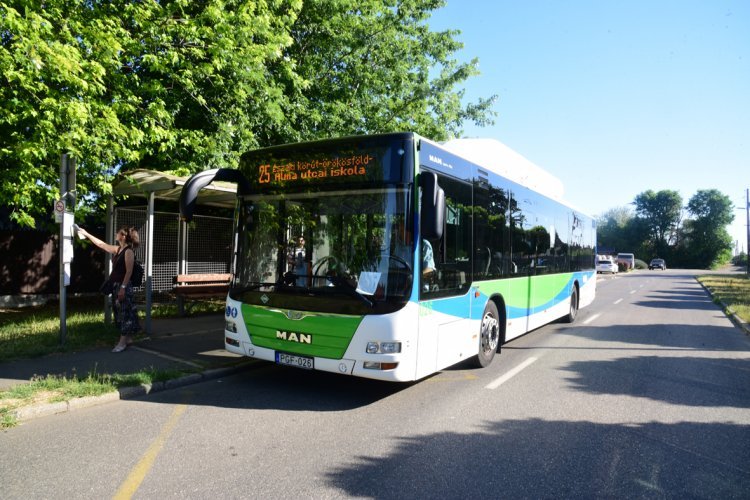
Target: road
(646, 395)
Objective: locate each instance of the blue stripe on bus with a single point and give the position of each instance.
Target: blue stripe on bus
(457, 306)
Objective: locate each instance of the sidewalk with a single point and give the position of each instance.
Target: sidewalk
(193, 344)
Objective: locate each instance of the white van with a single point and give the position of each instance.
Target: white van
(626, 258)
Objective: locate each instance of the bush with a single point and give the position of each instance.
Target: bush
(740, 260)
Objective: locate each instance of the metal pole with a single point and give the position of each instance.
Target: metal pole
(747, 228)
(149, 260)
(61, 242)
(108, 237)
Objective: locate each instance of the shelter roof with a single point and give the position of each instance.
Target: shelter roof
(165, 186)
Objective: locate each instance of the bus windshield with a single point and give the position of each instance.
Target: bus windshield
(326, 250)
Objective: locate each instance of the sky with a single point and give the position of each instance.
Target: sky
(616, 97)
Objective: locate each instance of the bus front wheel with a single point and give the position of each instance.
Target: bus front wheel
(489, 335)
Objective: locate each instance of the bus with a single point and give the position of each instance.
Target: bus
(390, 257)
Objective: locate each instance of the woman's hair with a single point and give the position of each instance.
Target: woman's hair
(131, 236)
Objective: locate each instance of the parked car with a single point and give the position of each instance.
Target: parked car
(606, 266)
(657, 264)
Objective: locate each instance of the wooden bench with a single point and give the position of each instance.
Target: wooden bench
(200, 287)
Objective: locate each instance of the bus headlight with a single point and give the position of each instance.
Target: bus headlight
(390, 347)
(230, 326)
(383, 347)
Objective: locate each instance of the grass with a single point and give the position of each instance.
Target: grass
(30, 332)
(731, 289)
(35, 331)
(52, 389)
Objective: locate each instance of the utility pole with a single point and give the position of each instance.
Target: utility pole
(747, 228)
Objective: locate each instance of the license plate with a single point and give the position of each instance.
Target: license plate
(294, 360)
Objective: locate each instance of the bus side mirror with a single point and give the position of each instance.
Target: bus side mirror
(433, 207)
(189, 193)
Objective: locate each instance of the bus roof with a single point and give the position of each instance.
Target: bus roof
(495, 156)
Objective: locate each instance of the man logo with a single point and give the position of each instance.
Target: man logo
(301, 338)
(294, 315)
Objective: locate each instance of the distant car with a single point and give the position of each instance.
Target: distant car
(657, 264)
(606, 266)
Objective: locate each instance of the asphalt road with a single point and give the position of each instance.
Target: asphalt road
(646, 395)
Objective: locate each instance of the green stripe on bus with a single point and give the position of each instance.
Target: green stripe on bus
(523, 292)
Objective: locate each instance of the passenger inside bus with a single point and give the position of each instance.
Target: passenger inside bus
(297, 262)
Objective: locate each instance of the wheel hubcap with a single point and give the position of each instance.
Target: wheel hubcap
(490, 333)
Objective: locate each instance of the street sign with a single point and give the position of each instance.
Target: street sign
(59, 209)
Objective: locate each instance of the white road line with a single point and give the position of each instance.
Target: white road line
(515, 371)
(592, 318)
(617, 301)
(633, 291)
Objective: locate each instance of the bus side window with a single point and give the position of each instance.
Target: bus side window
(453, 253)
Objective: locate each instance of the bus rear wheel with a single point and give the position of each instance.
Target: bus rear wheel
(573, 310)
(489, 335)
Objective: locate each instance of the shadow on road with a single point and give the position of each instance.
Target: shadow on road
(687, 381)
(558, 459)
(668, 335)
(269, 386)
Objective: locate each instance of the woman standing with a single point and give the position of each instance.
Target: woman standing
(123, 259)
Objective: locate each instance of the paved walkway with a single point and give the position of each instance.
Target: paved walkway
(194, 344)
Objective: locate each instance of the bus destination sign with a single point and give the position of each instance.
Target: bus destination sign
(352, 167)
(347, 161)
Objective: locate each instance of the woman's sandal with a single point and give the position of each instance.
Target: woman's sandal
(119, 348)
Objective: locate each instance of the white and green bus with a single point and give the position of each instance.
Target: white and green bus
(391, 257)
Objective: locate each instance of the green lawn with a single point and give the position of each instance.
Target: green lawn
(731, 289)
(35, 331)
(29, 332)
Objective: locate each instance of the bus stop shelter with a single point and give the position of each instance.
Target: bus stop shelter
(154, 185)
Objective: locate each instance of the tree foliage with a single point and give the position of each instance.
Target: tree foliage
(659, 213)
(372, 66)
(657, 229)
(614, 229)
(183, 86)
(707, 238)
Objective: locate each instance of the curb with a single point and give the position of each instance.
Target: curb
(739, 322)
(31, 412)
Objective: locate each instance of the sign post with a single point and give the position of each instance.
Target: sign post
(64, 214)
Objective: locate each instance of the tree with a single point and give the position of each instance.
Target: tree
(659, 215)
(614, 230)
(708, 241)
(184, 86)
(370, 66)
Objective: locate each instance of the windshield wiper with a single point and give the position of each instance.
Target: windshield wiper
(252, 287)
(287, 284)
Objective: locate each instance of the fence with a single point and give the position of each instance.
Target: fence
(208, 247)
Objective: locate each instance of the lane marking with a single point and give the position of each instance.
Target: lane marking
(633, 291)
(617, 301)
(592, 318)
(166, 356)
(141, 469)
(515, 371)
(441, 378)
